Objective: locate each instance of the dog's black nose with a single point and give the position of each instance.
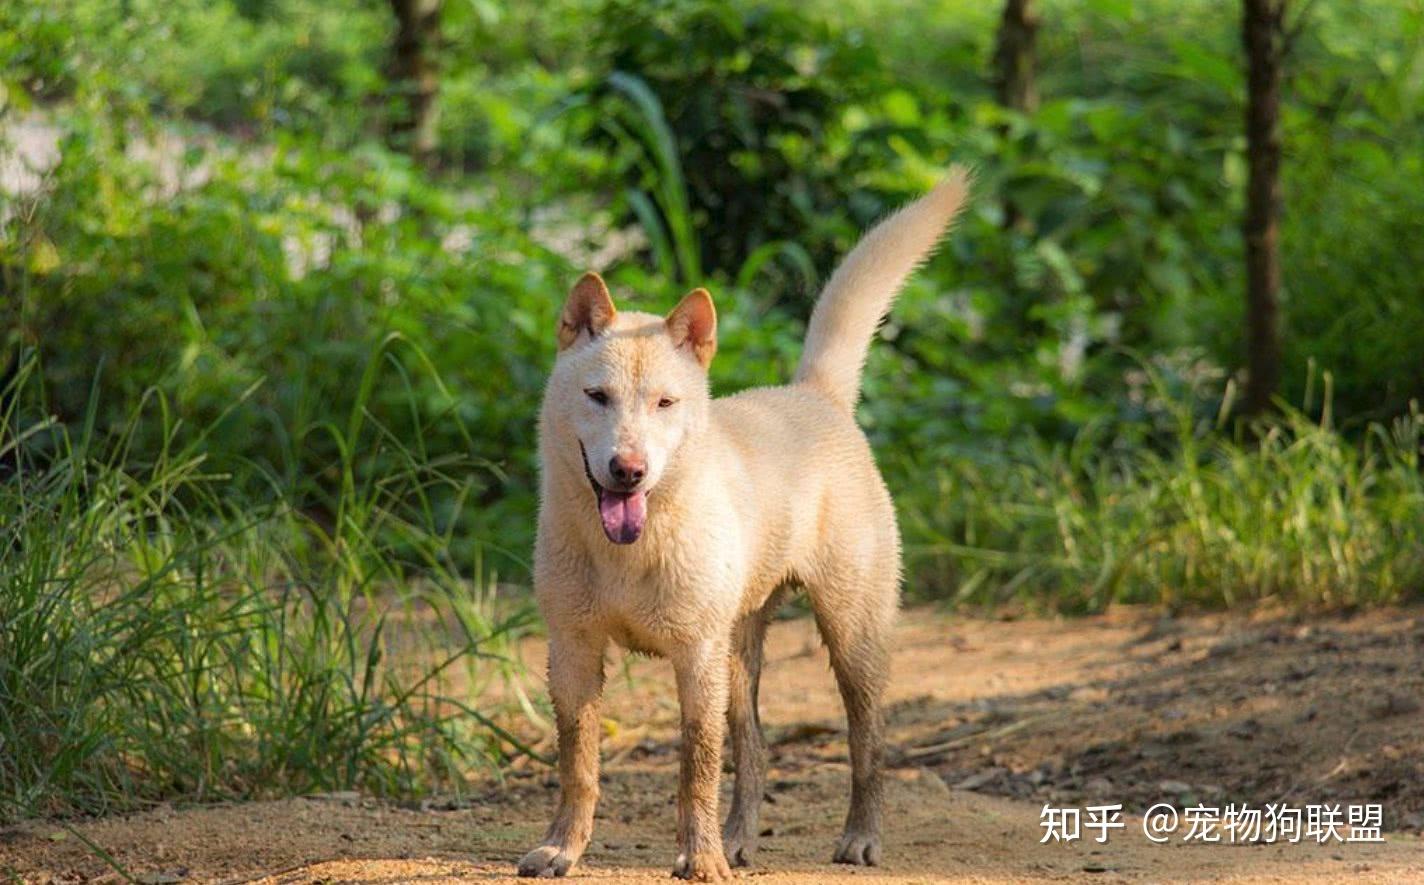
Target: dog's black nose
(628, 471)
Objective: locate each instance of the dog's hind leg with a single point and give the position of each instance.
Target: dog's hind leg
(739, 834)
(855, 612)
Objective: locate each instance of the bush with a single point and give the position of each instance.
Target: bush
(755, 98)
(252, 294)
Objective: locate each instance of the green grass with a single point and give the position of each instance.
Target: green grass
(1288, 510)
(159, 640)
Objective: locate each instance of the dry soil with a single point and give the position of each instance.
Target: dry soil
(989, 720)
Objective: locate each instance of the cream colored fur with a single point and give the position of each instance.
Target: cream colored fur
(745, 496)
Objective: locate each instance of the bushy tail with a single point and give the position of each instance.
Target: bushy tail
(860, 292)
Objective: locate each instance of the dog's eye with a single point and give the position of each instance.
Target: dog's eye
(666, 402)
(597, 396)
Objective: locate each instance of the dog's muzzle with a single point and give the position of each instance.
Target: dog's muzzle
(623, 514)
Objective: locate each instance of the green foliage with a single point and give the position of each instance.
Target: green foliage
(258, 64)
(1296, 513)
(225, 227)
(252, 293)
(1357, 207)
(754, 100)
(158, 638)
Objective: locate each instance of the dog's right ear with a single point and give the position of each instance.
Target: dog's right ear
(589, 309)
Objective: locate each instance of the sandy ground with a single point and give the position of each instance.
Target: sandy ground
(989, 719)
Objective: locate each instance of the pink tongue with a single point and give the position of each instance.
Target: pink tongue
(623, 514)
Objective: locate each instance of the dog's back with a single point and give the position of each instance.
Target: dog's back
(806, 485)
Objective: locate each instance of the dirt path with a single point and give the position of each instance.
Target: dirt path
(991, 720)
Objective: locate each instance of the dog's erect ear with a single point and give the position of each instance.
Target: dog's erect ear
(693, 325)
(589, 309)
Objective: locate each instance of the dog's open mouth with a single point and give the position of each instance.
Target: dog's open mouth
(623, 513)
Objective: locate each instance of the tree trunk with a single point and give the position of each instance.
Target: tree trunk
(1263, 33)
(415, 75)
(1015, 80)
(1014, 57)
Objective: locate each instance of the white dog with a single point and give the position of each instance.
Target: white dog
(670, 523)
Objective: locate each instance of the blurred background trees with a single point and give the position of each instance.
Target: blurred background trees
(233, 205)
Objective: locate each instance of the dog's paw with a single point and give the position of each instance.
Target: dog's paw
(702, 866)
(738, 844)
(738, 854)
(861, 849)
(545, 862)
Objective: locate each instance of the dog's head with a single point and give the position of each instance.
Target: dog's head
(632, 389)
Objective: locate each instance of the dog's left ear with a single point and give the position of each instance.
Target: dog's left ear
(693, 325)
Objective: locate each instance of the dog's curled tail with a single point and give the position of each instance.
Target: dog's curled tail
(860, 292)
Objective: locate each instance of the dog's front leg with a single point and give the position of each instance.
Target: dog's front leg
(702, 693)
(576, 686)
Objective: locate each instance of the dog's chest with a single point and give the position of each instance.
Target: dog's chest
(633, 612)
(649, 611)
